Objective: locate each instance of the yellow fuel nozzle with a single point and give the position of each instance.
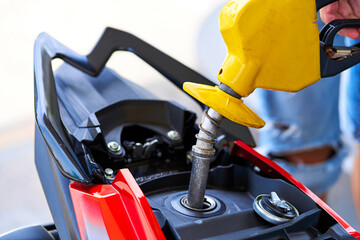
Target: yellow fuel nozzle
(272, 44)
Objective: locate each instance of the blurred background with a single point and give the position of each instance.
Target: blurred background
(186, 30)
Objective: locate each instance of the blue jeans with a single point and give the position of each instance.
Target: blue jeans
(300, 121)
(310, 119)
(351, 104)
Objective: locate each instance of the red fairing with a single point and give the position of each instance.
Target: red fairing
(268, 166)
(116, 211)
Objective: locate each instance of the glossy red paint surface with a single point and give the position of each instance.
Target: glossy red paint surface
(116, 211)
(242, 150)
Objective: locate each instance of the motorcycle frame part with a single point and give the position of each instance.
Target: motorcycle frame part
(132, 218)
(55, 181)
(56, 188)
(55, 185)
(59, 140)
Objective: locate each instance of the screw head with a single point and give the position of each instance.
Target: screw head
(173, 135)
(189, 156)
(114, 146)
(109, 172)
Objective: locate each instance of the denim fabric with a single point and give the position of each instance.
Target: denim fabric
(319, 178)
(350, 96)
(298, 121)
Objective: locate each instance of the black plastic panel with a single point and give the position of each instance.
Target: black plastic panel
(81, 95)
(237, 186)
(56, 189)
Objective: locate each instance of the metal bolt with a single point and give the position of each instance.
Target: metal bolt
(109, 172)
(114, 146)
(173, 135)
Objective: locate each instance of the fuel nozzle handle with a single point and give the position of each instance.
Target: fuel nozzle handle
(269, 53)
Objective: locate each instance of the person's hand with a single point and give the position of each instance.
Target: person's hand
(342, 9)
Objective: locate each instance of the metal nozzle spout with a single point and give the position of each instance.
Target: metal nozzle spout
(203, 152)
